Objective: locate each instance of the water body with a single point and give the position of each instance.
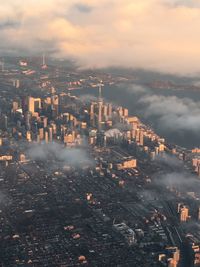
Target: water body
(119, 95)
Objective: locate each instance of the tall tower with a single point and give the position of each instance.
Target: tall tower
(184, 213)
(43, 59)
(44, 65)
(100, 90)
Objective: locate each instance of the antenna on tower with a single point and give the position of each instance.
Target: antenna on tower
(43, 59)
(100, 90)
(44, 65)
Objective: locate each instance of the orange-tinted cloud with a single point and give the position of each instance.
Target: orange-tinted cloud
(156, 34)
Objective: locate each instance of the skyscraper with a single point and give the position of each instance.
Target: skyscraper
(184, 213)
(34, 104)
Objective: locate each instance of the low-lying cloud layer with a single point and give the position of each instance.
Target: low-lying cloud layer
(169, 113)
(74, 157)
(173, 113)
(179, 180)
(170, 161)
(155, 34)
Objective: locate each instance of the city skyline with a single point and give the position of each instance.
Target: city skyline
(99, 133)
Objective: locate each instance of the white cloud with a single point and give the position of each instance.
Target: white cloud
(169, 113)
(173, 113)
(155, 34)
(71, 156)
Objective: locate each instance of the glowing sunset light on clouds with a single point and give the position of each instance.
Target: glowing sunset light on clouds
(153, 34)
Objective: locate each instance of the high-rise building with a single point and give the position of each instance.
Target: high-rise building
(195, 254)
(174, 252)
(198, 169)
(28, 136)
(100, 106)
(46, 137)
(105, 112)
(54, 105)
(92, 112)
(133, 133)
(15, 106)
(38, 138)
(68, 139)
(141, 138)
(120, 111)
(171, 257)
(137, 136)
(183, 212)
(24, 103)
(109, 110)
(50, 129)
(125, 112)
(34, 104)
(44, 121)
(16, 83)
(28, 120)
(41, 133)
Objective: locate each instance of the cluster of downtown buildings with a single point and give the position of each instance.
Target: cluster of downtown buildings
(100, 209)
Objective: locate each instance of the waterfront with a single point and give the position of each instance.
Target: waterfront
(121, 95)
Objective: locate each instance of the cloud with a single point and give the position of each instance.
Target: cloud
(83, 8)
(173, 113)
(183, 3)
(181, 182)
(170, 114)
(3, 198)
(153, 34)
(88, 98)
(178, 180)
(170, 161)
(9, 24)
(137, 89)
(113, 132)
(74, 157)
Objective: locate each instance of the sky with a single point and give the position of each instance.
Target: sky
(161, 35)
